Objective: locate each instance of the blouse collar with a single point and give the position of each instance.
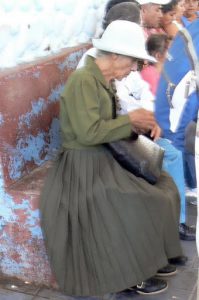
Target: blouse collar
(90, 63)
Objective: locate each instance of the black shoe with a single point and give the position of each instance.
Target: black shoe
(187, 233)
(168, 270)
(151, 286)
(179, 260)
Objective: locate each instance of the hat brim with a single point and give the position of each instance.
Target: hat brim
(141, 54)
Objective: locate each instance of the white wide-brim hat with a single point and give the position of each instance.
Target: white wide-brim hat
(125, 38)
(159, 2)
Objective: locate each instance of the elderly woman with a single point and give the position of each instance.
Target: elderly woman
(106, 229)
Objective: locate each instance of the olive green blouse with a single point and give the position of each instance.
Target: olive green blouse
(86, 110)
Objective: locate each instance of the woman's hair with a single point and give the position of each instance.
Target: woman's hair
(127, 11)
(169, 7)
(111, 3)
(157, 43)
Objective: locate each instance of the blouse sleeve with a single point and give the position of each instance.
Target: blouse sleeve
(82, 103)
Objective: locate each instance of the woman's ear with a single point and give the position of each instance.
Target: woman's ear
(158, 56)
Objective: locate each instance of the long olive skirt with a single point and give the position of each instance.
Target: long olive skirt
(105, 229)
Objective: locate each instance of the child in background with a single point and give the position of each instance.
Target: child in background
(177, 23)
(191, 12)
(157, 45)
(168, 16)
(180, 9)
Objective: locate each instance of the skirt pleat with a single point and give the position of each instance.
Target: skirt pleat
(104, 228)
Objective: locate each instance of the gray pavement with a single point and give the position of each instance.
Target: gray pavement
(182, 286)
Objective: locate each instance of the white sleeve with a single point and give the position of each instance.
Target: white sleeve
(185, 88)
(134, 93)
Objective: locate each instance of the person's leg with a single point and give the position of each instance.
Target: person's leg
(173, 164)
(190, 170)
(189, 156)
(190, 134)
(189, 163)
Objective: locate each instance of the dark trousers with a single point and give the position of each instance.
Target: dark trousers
(189, 155)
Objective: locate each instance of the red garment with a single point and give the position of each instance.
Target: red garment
(149, 31)
(151, 75)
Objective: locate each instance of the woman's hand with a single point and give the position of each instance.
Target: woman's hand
(143, 120)
(156, 132)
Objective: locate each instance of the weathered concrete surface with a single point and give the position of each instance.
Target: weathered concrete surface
(29, 109)
(22, 248)
(29, 135)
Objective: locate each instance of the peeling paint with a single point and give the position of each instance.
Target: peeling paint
(71, 61)
(6, 205)
(16, 165)
(22, 251)
(1, 119)
(28, 142)
(17, 236)
(55, 94)
(32, 149)
(36, 74)
(9, 212)
(37, 107)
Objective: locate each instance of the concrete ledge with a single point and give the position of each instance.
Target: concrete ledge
(29, 135)
(22, 251)
(29, 110)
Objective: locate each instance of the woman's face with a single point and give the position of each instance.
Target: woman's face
(180, 8)
(168, 18)
(123, 65)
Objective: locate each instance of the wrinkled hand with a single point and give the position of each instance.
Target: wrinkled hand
(156, 132)
(142, 119)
